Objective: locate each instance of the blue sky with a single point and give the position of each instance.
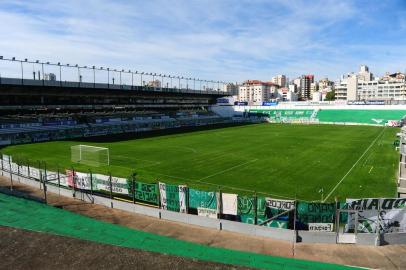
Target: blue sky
(212, 39)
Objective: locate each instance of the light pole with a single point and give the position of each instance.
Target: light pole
(94, 77)
(142, 86)
(42, 67)
(108, 77)
(132, 79)
(60, 74)
(78, 73)
(120, 78)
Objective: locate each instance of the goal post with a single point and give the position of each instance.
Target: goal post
(90, 155)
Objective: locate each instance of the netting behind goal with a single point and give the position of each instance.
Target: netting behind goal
(90, 155)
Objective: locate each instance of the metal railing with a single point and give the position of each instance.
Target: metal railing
(67, 75)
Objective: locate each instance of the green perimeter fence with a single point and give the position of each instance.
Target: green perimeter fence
(34, 216)
(360, 215)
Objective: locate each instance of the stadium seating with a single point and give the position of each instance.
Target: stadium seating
(356, 116)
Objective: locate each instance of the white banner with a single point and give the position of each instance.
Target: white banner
(321, 227)
(52, 176)
(207, 212)
(14, 168)
(35, 173)
(82, 180)
(182, 198)
(280, 204)
(162, 193)
(229, 203)
(24, 171)
(390, 212)
(63, 180)
(102, 182)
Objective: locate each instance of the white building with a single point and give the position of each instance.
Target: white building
(279, 80)
(354, 87)
(231, 88)
(317, 96)
(256, 92)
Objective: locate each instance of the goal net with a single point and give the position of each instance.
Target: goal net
(90, 155)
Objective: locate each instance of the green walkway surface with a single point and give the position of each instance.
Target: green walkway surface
(31, 215)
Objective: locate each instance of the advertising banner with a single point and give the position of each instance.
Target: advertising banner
(52, 176)
(275, 207)
(229, 203)
(173, 197)
(78, 180)
(146, 192)
(246, 210)
(63, 179)
(24, 171)
(35, 173)
(321, 227)
(14, 168)
(390, 213)
(102, 183)
(204, 199)
(315, 213)
(205, 202)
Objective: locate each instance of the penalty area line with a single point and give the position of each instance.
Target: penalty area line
(353, 166)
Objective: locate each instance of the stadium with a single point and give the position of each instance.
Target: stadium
(178, 149)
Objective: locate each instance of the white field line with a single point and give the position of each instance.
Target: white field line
(184, 148)
(224, 186)
(226, 170)
(371, 169)
(353, 166)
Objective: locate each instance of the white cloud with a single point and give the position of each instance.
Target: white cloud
(222, 40)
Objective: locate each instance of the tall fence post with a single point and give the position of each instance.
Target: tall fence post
(294, 228)
(111, 190)
(44, 182)
(91, 182)
(133, 186)
(11, 173)
(256, 208)
(377, 226)
(28, 166)
(159, 197)
(59, 181)
(220, 206)
(187, 199)
(73, 182)
(40, 174)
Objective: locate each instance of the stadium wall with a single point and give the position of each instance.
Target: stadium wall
(218, 224)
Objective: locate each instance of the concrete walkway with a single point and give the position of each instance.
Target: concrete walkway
(385, 257)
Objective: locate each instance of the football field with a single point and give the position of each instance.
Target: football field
(306, 162)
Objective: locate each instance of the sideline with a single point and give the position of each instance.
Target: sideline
(353, 166)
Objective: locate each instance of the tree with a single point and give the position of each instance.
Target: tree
(330, 95)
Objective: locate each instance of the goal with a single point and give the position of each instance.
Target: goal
(90, 155)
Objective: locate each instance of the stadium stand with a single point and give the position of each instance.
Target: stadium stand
(40, 113)
(372, 117)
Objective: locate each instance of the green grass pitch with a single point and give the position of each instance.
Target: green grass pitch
(285, 161)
